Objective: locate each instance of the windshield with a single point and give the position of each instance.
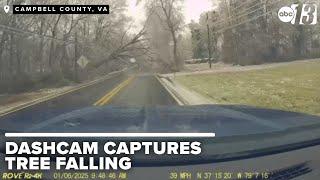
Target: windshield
(247, 71)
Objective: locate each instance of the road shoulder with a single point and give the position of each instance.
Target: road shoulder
(6, 109)
(182, 94)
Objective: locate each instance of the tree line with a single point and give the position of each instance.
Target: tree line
(39, 51)
(250, 32)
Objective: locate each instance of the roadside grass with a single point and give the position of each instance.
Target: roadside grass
(293, 87)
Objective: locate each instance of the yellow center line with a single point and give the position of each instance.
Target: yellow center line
(106, 98)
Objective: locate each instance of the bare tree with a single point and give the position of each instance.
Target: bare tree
(45, 48)
(169, 12)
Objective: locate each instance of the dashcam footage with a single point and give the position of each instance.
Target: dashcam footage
(160, 89)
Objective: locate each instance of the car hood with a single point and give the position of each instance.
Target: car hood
(241, 131)
(224, 120)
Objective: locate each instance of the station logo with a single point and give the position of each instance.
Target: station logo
(307, 14)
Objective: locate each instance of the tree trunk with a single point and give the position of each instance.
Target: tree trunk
(41, 47)
(11, 55)
(18, 56)
(2, 63)
(53, 46)
(209, 43)
(75, 56)
(178, 65)
(52, 49)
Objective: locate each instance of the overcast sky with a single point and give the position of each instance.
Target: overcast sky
(192, 9)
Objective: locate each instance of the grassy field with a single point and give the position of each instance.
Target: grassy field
(293, 87)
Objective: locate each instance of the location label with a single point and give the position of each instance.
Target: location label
(6, 8)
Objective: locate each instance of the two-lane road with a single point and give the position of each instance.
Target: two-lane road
(122, 90)
(146, 90)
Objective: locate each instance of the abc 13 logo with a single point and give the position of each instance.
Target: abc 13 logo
(308, 15)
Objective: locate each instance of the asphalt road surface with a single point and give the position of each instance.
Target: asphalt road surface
(122, 90)
(147, 104)
(146, 90)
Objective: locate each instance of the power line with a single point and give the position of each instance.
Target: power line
(235, 25)
(243, 22)
(245, 3)
(244, 12)
(20, 31)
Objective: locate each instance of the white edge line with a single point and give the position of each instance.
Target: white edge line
(110, 135)
(180, 103)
